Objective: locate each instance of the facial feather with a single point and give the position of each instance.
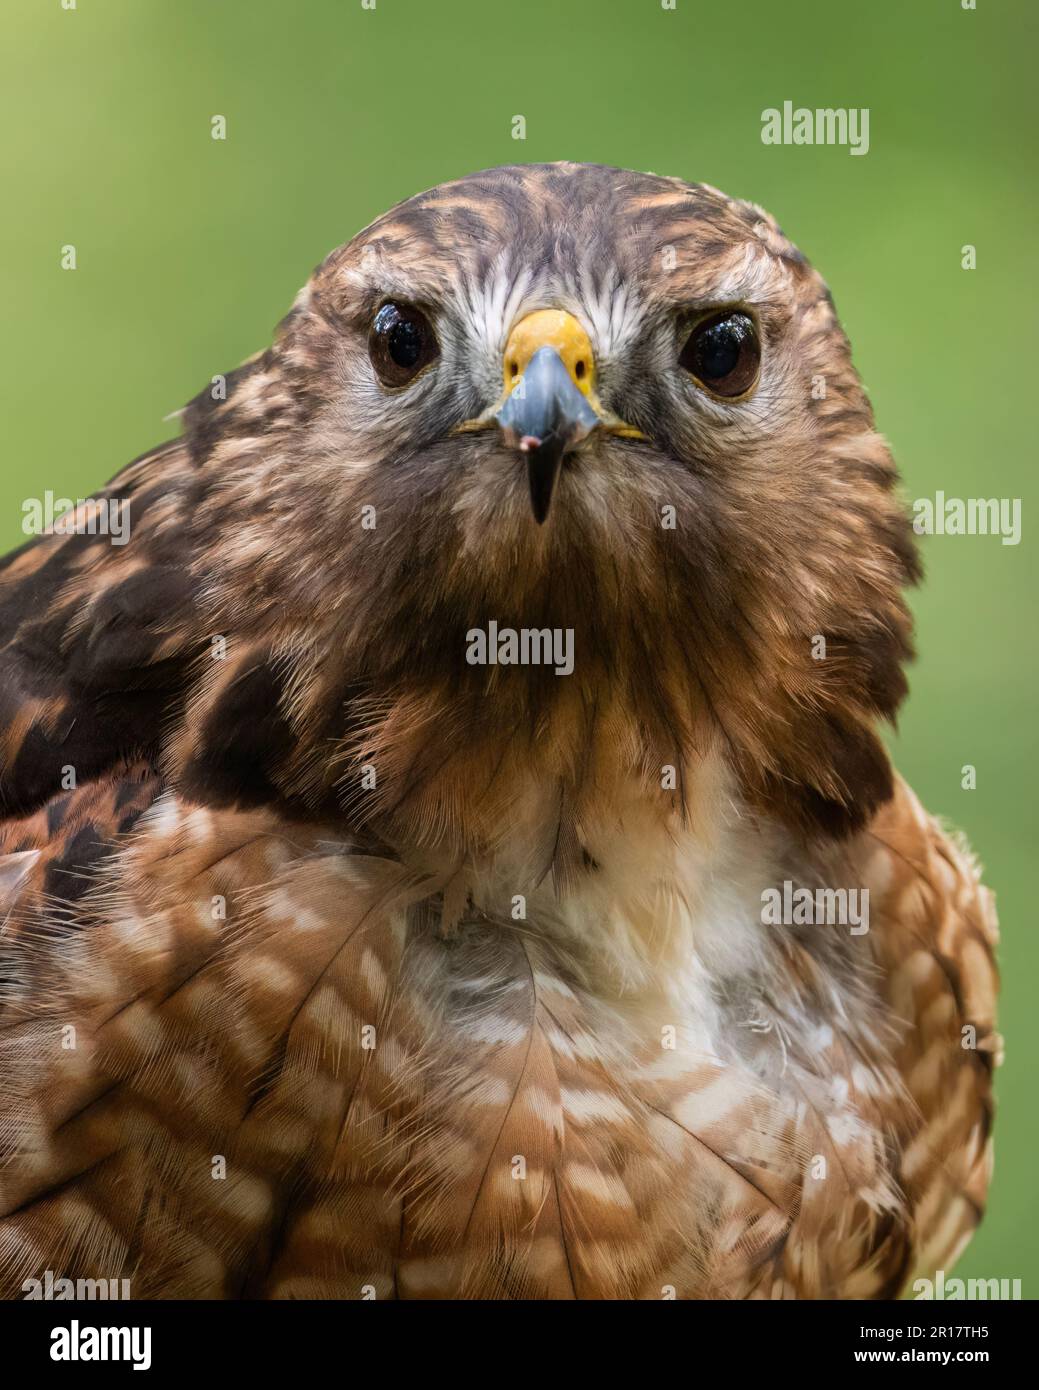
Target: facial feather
(788, 527)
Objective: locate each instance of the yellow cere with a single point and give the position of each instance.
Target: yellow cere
(550, 328)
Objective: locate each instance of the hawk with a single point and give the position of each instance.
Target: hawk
(447, 849)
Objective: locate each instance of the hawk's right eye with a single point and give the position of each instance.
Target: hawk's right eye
(401, 343)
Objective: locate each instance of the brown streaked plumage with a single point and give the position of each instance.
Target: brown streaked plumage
(456, 975)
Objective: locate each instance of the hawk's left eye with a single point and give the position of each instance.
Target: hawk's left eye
(723, 354)
(401, 343)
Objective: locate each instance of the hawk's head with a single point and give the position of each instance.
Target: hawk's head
(554, 397)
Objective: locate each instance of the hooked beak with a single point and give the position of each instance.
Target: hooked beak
(549, 404)
(545, 415)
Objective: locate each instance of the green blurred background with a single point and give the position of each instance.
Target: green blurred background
(189, 250)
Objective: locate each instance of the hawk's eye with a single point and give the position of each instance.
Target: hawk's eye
(401, 343)
(723, 354)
